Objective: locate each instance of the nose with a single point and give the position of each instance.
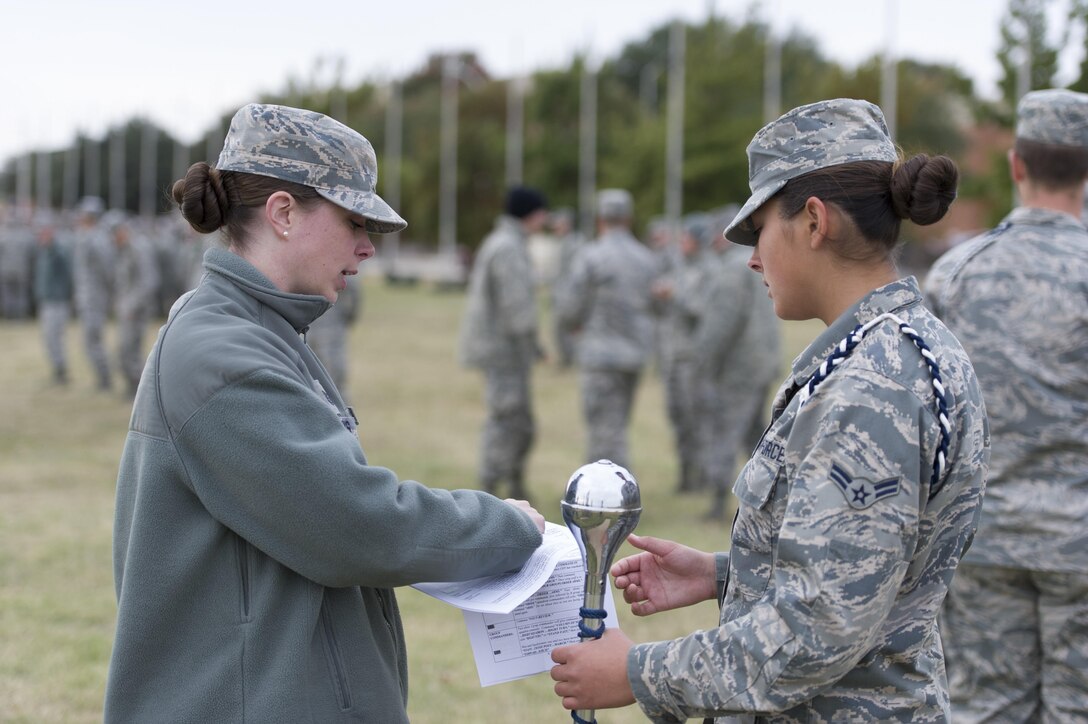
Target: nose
(365, 247)
(754, 262)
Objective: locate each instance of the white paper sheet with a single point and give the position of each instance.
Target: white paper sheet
(509, 646)
(502, 594)
(516, 619)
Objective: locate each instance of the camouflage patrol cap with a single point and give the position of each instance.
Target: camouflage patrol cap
(614, 205)
(311, 149)
(700, 227)
(814, 136)
(1054, 116)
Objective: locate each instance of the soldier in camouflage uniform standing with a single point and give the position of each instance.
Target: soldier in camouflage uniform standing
(1016, 619)
(679, 296)
(570, 243)
(608, 304)
(94, 277)
(499, 336)
(863, 493)
(17, 252)
(328, 334)
(53, 291)
(736, 351)
(136, 284)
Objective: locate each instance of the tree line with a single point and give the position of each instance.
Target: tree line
(937, 108)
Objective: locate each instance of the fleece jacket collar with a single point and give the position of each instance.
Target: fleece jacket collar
(300, 310)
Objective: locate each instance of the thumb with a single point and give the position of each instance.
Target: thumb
(656, 546)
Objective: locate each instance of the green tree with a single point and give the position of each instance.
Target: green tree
(1078, 15)
(1024, 27)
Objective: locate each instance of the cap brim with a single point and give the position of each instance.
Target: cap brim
(380, 217)
(741, 230)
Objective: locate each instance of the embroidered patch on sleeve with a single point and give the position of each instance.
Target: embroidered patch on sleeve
(862, 492)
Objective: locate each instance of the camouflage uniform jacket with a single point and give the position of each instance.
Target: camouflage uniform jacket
(685, 309)
(737, 338)
(95, 257)
(136, 278)
(840, 560)
(1018, 300)
(499, 327)
(608, 301)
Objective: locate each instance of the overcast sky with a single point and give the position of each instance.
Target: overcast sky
(72, 65)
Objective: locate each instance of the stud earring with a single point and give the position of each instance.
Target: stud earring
(285, 233)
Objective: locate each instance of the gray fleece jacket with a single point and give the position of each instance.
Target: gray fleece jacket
(254, 546)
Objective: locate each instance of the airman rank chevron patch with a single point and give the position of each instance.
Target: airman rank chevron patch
(861, 492)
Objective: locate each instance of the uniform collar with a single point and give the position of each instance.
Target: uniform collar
(300, 310)
(1037, 216)
(510, 224)
(892, 297)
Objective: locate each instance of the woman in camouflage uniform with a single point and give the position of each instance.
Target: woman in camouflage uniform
(863, 493)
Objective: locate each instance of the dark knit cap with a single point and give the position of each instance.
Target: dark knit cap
(522, 201)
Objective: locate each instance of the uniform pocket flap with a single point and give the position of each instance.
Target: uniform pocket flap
(756, 482)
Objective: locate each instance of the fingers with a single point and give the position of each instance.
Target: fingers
(525, 507)
(563, 688)
(656, 546)
(623, 567)
(633, 594)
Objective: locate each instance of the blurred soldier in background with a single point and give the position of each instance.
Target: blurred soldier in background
(666, 257)
(173, 260)
(608, 305)
(499, 336)
(570, 242)
(179, 246)
(136, 284)
(328, 334)
(53, 292)
(679, 296)
(737, 352)
(94, 275)
(17, 252)
(1016, 618)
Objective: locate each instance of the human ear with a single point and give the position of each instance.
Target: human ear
(1016, 166)
(279, 210)
(817, 218)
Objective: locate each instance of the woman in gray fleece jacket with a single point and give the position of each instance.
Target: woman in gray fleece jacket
(255, 549)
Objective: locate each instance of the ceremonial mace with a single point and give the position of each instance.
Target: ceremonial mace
(601, 507)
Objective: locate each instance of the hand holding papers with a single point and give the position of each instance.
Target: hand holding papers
(502, 594)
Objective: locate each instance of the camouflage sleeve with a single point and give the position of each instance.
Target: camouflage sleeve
(935, 282)
(721, 574)
(148, 270)
(690, 293)
(845, 508)
(721, 321)
(572, 305)
(942, 281)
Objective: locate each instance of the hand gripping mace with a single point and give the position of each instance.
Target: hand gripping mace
(601, 507)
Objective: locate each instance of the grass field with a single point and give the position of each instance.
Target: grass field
(420, 414)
